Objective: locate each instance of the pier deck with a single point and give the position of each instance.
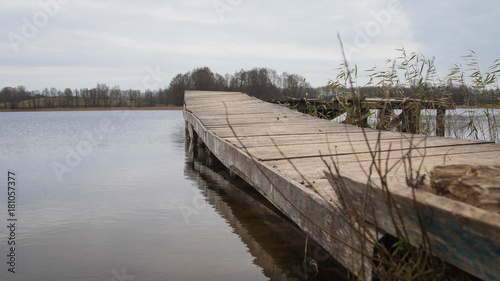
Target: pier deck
(284, 155)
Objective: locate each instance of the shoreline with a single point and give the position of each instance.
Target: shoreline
(478, 106)
(168, 107)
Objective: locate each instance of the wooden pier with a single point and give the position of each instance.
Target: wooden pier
(284, 155)
(409, 116)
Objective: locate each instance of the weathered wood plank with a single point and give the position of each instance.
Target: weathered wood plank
(278, 129)
(397, 147)
(312, 167)
(297, 139)
(271, 119)
(477, 185)
(459, 233)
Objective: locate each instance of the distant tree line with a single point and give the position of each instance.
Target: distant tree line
(263, 83)
(458, 95)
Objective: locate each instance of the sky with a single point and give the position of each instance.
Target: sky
(144, 44)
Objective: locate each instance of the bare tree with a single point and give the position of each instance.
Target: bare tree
(68, 97)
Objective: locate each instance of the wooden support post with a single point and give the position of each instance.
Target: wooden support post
(365, 112)
(440, 121)
(196, 148)
(411, 118)
(384, 118)
(186, 127)
(190, 146)
(357, 114)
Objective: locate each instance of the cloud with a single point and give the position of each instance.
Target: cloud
(115, 41)
(449, 29)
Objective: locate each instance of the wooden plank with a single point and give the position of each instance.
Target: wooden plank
(313, 167)
(398, 147)
(478, 185)
(257, 118)
(344, 138)
(459, 233)
(275, 129)
(296, 139)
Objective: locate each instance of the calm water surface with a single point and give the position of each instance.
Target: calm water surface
(109, 195)
(463, 123)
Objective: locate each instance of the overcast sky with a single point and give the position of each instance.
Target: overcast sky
(143, 44)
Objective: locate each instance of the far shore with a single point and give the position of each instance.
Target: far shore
(478, 106)
(169, 107)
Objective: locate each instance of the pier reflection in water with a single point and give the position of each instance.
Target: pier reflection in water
(276, 243)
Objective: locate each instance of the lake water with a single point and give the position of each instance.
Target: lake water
(473, 123)
(464, 123)
(111, 195)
